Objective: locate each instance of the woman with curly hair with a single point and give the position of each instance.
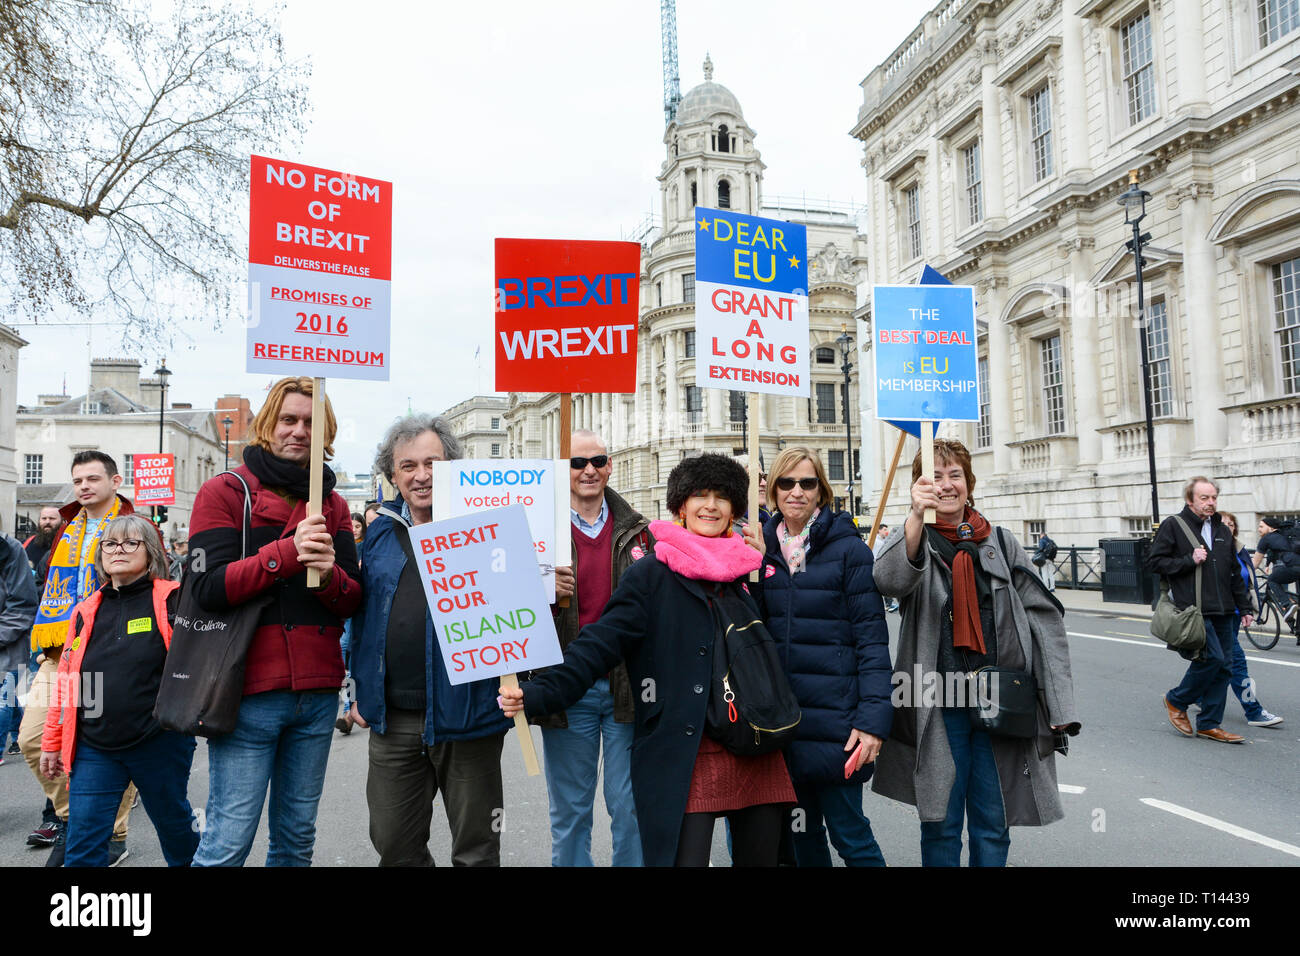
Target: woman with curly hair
(662, 621)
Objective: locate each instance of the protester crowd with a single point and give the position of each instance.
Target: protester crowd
(713, 666)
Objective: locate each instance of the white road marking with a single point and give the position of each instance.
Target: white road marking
(1223, 825)
(1154, 643)
(1070, 788)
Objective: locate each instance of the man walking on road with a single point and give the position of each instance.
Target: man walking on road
(1223, 592)
(608, 536)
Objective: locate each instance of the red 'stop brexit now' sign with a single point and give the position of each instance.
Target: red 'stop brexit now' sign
(566, 315)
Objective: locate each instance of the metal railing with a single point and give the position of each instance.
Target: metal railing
(1079, 568)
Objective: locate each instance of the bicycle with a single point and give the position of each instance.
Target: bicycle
(1266, 629)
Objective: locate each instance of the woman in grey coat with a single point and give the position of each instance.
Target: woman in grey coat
(964, 606)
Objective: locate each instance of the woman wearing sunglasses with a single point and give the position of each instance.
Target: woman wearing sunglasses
(661, 619)
(101, 728)
(829, 623)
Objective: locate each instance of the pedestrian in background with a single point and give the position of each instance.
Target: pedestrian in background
(18, 600)
(969, 600)
(1195, 544)
(820, 602)
(1242, 684)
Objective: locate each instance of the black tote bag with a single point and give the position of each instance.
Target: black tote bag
(203, 679)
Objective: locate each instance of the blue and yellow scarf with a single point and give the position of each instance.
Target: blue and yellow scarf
(71, 579)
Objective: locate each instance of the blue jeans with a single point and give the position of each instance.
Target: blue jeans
(160, 769)
(282, 738)
(1241, 682)
(976, 794)
(345, 645)
(1206, 681)
(840, 805)
(11, 715)
(572, 756)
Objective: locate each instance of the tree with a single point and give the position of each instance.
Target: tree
(124, 144)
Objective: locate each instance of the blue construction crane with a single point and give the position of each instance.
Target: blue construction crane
(672, 83)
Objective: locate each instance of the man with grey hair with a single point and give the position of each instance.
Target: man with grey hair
(426, 735)
(608, 536)
(1192, 545)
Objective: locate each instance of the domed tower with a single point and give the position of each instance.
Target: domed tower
(711, 157)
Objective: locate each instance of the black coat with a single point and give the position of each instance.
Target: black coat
(829, 625)
(1222, 589)
(661, 624)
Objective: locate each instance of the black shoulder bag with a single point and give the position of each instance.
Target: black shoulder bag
(203, 679)
(1004, 700)
(751, 709)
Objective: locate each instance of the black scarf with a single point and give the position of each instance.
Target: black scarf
(278, 473)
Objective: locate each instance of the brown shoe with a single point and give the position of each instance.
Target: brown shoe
(1179, 719)
(1222, 736)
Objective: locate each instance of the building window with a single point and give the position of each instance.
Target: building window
(33, 469)
(724, 193)
(1040, 132)
(694, 403)
(688, 287)
(1286, 312)
(835, 464)
(1277, 18)
(690, 343)
(1158, 356)
(825, 403)
(983, 429)
(1049, 355)
(724, 139)
(825, 356)
(659, 295)
(1139, 67)
(128, 469)
(912, 205)
(695, 200)
(1033, 531)
(496, 423)
(91, 408)
(737, 406)
(974, 183)
(1139, 526)
(496, 449)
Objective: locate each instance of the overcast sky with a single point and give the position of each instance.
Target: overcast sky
(515, 119)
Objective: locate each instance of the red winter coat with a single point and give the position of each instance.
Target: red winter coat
(296, 646)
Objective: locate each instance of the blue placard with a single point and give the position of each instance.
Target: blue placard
(734, 249)
(924, 346)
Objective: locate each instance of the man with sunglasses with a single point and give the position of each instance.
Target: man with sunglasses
(608, 536)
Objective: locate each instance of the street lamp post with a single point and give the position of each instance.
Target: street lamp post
(227, 421)
(162, 371)
(1134, 201)
(846, 349)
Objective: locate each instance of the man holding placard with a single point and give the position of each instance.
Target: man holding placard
(608, 536)
(426, 734)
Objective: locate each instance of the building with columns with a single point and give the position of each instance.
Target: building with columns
(711, 160)
(479, 423)
(996, 140)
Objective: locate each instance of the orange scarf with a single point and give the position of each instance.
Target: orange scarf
(966, 630)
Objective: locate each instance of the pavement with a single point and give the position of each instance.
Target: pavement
(1090, 602)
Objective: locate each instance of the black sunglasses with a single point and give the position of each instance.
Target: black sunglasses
(596, 461)
(787, 484)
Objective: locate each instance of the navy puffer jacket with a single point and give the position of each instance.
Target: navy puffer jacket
(829, 625)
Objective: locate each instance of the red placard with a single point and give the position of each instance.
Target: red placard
(304, 217)
(566, 315)
(154, 478)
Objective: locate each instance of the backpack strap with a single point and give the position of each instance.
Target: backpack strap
(1195, 543)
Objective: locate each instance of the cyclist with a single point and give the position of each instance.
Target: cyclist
(1277, 548)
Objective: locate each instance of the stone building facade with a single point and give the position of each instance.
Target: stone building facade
(711, 160)
(996, 139)
(10, 343)
(480, 424)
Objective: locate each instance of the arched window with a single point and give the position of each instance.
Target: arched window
(724, 140)
(825, 356)
(724, 194)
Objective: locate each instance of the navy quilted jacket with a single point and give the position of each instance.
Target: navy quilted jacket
(829, 624)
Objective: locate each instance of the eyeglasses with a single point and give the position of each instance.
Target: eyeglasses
(129, 546)
(596, 461)
(787, 484)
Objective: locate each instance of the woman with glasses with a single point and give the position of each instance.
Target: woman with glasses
(827, 619)
(100, 728)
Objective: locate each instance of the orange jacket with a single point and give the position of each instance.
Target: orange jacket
(61, 719)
